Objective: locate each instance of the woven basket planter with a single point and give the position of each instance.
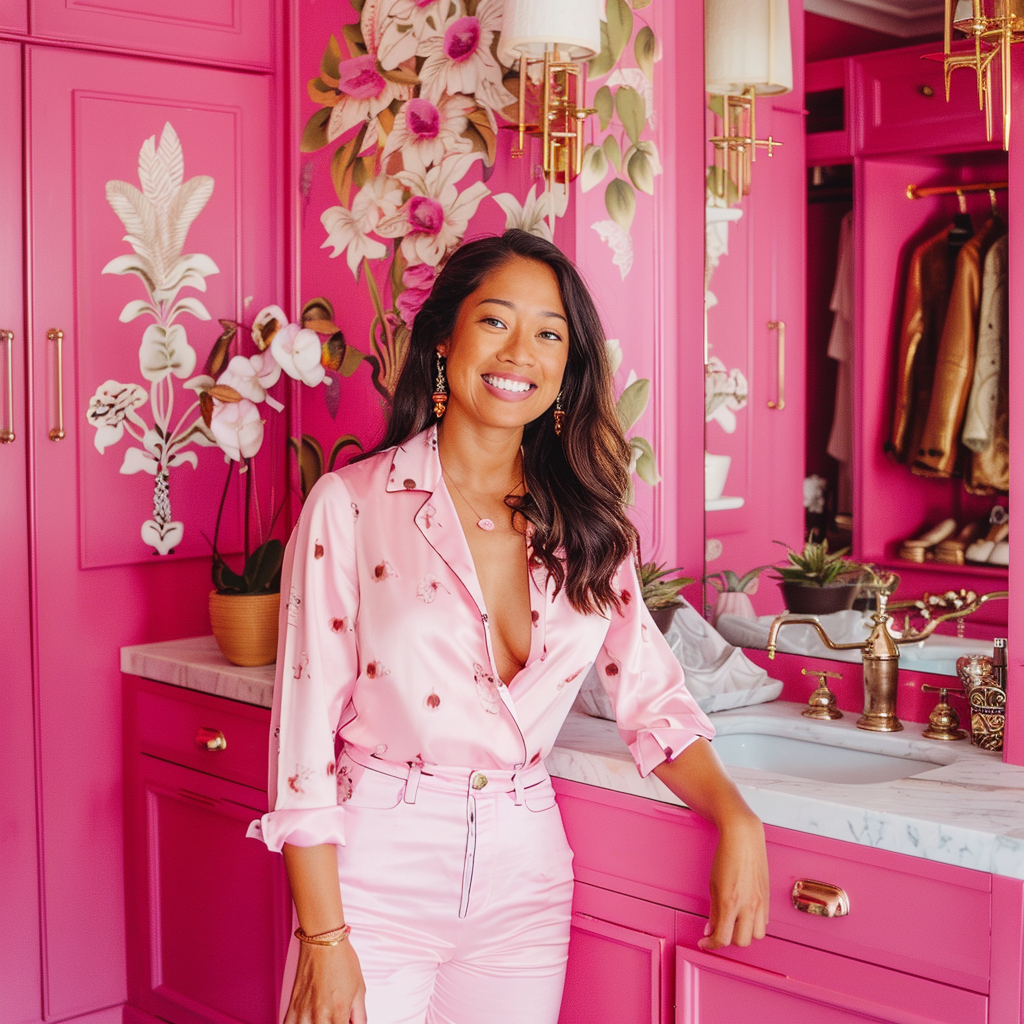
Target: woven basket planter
(245, 626)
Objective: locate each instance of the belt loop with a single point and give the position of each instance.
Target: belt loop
(413, 783)
(517, 782)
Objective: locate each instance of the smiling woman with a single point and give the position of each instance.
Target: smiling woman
(479, 561)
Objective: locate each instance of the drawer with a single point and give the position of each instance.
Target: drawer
(170, 720)
(927, 919)
(903, 105)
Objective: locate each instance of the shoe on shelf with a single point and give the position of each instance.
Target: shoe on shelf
(916, 549)
(953, 550)
(981, 551)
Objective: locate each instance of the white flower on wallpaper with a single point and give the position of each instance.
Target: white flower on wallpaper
(348, 230)
(156, 219)
(535, 213)
(619, 241)
(424, 134)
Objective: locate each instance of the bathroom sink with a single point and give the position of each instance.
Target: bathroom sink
(813, 759)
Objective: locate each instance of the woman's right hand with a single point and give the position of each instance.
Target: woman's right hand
(329, 986)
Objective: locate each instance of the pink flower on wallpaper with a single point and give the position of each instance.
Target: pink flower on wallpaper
(400, 27)
(364, 93)
(418, 281)
(460, 60)
(424, 134)
(437, 214)
(360, 78)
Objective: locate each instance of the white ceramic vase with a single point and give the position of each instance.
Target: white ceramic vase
(716, 472)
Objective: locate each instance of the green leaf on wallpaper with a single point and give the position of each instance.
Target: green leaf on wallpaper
(314, 135)
(604, 103)
(646, 465)
(632, 402)
(604, 61)
(620, 26)
(354, 40)
(595, 167)
(340, 445)
(310, 457)
(620, 201)
(351, 362)
(613, 152)
(718, 181)
(632, 110)
(341, 165)
(639, 5)
(643, 48)
(716, 104)
(332, 59)
(641, 171)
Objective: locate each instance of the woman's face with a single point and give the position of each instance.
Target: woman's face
(507, 354)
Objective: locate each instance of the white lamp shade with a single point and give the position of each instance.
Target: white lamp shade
(747, 43)
(529, 27)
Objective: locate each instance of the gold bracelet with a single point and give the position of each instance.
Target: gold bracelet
(331, 938)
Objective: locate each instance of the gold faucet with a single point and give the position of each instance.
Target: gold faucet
(880, 652)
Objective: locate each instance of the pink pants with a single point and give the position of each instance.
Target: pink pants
(458, 888)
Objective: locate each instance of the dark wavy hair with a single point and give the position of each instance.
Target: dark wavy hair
(576, 481)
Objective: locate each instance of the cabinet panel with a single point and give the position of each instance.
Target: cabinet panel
(904, 107)
(228, 31)
(14, 15)
(88, 117)
(620, 960)
(19, 935)
(218, 906)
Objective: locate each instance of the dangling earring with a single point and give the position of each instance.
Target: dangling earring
(440, 395)
(559, 414)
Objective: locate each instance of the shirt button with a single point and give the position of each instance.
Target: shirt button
(409, 484)
(479, 780)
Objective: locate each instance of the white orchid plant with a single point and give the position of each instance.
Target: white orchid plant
(725, 393)
(630, 406)
(224, 401)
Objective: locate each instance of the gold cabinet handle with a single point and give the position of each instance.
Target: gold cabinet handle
(57, 433)
(780, 326)
(820, 898)
(7, 433)
(211, 739)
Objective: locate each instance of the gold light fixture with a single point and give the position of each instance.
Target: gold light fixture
(551, 41)
(747, 53)
(993, 26)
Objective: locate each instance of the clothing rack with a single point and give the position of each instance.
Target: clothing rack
(922, 191)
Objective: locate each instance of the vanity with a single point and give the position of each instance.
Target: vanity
(922, 841)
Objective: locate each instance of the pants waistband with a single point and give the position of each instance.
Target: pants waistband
(477, 782)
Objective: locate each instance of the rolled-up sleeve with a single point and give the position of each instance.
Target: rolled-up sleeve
(317, 665)
(655, 713)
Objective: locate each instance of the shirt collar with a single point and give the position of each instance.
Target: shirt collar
(415, 466)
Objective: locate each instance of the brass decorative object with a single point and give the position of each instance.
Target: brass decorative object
(7, 433)
(737, 144)
(987, 700)
(54, 335)
(992, 26)
(943, 722)
(822, 899)
(880, 652)
(822, 703)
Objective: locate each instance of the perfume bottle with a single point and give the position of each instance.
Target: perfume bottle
(987, 700)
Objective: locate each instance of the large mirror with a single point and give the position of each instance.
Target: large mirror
(856, 338)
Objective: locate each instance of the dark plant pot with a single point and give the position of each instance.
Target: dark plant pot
(838, 597)
(663, 617)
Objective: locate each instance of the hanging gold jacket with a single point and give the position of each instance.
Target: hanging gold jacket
(938, 451)
(924, 312)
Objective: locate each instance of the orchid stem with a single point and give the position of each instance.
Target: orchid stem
(220, 510)
(248, 502)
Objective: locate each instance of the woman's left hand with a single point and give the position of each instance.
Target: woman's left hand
(739, 886)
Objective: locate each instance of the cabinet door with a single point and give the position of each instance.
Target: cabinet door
(19, 883)
(224, 31)
(98, 585)
(14, 16)
(620, 965)
(215, 905)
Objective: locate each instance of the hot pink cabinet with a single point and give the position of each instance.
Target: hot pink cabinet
(72, 556)
(14, 15)
(223, 31)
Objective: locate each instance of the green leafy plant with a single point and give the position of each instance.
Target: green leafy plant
(729, 582)
(816, 566)
(657, 589)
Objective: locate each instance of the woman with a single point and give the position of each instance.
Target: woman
(446, 596)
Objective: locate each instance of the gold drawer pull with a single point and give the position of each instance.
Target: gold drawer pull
(820, 898)
(57, 432)
(779, 403)
(211, 739)
(7, 433)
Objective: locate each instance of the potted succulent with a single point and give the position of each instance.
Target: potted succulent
(660, 592)
(734, 590)
(818, 581)
(233, 394)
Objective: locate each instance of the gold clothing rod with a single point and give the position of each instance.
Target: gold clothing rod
(921, 191)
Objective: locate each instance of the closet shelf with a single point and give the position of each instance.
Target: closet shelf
(722, 503)
(992, 572)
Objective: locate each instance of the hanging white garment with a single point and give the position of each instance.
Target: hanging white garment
(840, 348)
(993, 330)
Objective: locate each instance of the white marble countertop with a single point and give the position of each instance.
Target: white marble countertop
(968, 810)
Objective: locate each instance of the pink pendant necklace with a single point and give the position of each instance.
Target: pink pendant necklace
(482, 521)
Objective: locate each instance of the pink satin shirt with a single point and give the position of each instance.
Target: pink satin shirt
(385, 645)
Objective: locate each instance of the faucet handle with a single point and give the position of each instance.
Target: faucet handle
(943, 722)
(822, 703)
